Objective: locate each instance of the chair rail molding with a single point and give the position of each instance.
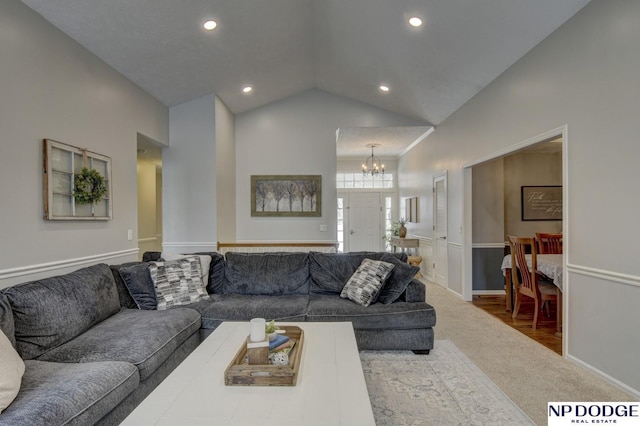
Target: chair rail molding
(42, 268)
(615, 277)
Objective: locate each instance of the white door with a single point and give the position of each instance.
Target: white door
(364, 224)
(440, 229)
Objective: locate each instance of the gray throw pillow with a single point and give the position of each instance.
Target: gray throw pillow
(398, 281)
(364, 285)
(137, 279)
(177, 282)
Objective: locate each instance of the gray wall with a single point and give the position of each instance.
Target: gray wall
(51, 87)
(584, 76)
(528, 170)
(297, 136)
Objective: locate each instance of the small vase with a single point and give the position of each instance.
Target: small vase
(402, 231)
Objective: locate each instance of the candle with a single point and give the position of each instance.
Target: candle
(257, 330)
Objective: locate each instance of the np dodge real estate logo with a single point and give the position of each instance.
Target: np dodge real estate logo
(603, 413)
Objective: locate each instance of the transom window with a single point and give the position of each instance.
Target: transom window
(362, 181)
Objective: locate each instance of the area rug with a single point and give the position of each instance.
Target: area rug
(442, 388)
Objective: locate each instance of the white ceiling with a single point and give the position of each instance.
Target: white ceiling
(283, 47)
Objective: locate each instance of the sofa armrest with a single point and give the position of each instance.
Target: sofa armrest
(415, 292)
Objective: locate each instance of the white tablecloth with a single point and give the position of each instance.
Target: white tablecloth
(549, 265)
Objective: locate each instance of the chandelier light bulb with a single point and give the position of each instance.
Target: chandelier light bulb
(372, 164)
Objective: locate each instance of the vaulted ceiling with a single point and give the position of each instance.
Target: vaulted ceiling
(283, 47)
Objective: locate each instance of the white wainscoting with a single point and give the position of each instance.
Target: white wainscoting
(425, 250)
(12, 276)
(278, 246)
(189, 247)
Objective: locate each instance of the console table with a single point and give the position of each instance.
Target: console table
(404, 243)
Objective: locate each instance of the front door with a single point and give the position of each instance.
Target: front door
(364, 224)
(440, 229)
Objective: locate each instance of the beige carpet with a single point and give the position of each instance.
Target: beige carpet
(527, 372)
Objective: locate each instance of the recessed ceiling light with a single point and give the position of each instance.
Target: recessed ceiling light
(384, 88)
(415, 21)
(210, 25)
(247, 89)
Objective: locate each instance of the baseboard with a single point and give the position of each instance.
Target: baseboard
(488, 292)
(634, 392)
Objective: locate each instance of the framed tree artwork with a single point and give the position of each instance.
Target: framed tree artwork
(286, 195)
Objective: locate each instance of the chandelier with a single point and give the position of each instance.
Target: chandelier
(372, 164)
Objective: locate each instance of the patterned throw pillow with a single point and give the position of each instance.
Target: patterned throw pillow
(366, 282)
(177, 282)
(205, 262)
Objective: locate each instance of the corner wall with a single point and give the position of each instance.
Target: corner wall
(189, 179)
(583, 76)
(51, 87)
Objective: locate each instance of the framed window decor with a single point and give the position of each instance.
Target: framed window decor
(411, 209)
(541, 202)
(77, 183)
(286, 195)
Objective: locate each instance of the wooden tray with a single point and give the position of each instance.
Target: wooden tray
(239, 373)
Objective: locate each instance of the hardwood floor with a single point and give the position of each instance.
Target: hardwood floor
(544, 334)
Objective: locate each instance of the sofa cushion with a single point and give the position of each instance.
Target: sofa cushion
(243, 307)
(177, 282)
(274, 274)
(365, 284)
(143, 338)
(11, 371)
(398, 315)
(138, 282)
(52, 311)
(6, 319)
(69, 394)
(331, 271)
(398, 281)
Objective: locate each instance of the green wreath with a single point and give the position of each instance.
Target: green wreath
(88, 186)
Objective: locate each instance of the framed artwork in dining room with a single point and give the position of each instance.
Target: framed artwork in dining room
(286, 195)
(541, 202)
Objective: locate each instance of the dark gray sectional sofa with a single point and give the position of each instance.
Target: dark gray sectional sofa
(91, 355)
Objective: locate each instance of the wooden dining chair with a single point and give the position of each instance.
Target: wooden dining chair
(528, 282)
(548, 243)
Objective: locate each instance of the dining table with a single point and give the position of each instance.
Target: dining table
(548, 265)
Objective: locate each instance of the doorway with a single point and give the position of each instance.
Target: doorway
(361, 220)
(440, 229)
(478, 241)
(149, 186)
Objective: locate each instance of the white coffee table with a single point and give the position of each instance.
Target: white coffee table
(331, 389)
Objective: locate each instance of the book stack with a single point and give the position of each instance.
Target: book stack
(279, 349)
